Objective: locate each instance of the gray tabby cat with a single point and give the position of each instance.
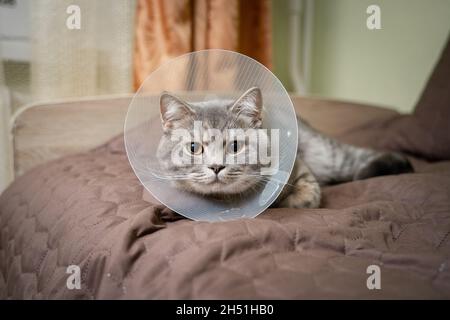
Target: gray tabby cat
(320, 160)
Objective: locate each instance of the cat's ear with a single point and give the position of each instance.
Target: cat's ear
(173, 110)
(249, 106)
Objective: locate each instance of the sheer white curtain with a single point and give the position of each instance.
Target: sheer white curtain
(5, 112)
(67, 63)
(95, 59)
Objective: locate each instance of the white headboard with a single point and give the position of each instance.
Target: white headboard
(45, 131)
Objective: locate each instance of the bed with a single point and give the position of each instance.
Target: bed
(76, 201)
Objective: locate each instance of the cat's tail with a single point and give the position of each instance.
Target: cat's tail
(332, 161)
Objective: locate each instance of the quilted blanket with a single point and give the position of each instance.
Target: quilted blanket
(89, 211)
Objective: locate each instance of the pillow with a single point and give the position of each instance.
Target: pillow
(425, 133)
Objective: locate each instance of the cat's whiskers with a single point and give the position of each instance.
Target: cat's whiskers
(170, 177)
(265, 179)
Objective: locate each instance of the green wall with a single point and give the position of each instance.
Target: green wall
(280, 25)
(386, 67)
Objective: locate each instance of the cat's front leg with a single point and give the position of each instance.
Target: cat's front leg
(302, 190)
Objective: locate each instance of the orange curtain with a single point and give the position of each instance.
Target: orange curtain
(166, 29)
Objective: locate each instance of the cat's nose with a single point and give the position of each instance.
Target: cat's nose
(216, 168)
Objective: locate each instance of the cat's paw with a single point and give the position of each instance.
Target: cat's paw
(306, 198)
(386, 164)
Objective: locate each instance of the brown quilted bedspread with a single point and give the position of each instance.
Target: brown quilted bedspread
(90, 210)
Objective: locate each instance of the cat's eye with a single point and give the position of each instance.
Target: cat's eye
(234, 146)
(194, 147)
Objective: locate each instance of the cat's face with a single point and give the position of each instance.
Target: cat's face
(218, 160)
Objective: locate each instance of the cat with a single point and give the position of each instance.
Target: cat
(320, 159)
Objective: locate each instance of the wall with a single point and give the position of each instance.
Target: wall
(386, 67)
(280, 25)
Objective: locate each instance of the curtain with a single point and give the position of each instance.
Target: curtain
(95, 59)
(5, 113)
(166, 29)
